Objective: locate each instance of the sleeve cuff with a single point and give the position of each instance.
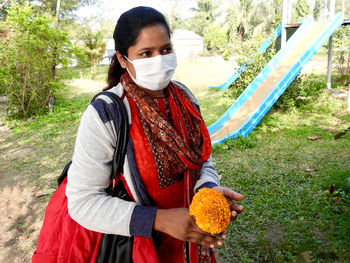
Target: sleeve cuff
(206, 185)
(142, 219)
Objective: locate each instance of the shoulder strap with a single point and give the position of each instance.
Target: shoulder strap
(122, 138)
(122, 133)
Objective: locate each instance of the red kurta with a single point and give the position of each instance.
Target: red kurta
(171, 249)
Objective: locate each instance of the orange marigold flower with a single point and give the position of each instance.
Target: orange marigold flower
(211, 210)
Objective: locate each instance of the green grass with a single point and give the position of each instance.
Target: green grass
(289, 215)
(288, 209)
(44, 143)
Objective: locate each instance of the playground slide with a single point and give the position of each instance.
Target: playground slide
(260, 50)
(249, 108)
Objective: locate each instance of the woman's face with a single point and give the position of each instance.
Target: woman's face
(152, 41)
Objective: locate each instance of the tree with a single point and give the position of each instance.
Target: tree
(26, 57)
(232, 23)
(301, 9)
(255, 17)
(205, 14)
(215, 38)
(268, 15)
(94, 47)
(49, 6)
(316, 12)
(246, 13)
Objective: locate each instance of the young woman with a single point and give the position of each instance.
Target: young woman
(168, 157)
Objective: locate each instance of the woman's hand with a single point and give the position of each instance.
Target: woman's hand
(231, 197)
(179, 224)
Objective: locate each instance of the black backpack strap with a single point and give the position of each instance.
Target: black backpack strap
(122, 134)
(122, 138)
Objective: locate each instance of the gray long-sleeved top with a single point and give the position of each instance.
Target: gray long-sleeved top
(89, 176)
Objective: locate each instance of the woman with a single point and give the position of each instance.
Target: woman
(168, 157)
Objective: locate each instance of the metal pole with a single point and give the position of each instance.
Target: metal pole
(284, 22)
(330, 46)
(329, 67)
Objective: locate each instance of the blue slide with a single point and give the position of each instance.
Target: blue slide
(268, 41)
(250, 107)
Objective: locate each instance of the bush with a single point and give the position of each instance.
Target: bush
(27, 53)
(342, 55)
(300, 92)
(215, 38)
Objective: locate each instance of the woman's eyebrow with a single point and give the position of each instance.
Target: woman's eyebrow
(152, 48)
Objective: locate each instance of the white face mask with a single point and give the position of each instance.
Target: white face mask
(154, 73)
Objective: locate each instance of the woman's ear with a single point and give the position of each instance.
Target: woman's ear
(121, 59)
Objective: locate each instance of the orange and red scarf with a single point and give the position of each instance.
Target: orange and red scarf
(179, 144)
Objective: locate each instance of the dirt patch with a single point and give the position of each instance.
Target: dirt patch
(19, 225)
(274, 234)
(316, 65)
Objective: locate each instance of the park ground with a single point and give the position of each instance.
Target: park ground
(290, 214)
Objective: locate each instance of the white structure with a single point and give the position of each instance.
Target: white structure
(110, 51)
(187, 43)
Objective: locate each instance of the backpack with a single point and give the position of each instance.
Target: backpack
(62, 239)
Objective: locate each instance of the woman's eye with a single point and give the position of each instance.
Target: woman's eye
(167, 50)
(146, 54)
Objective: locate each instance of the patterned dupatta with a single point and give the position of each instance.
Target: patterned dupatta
(178, 148)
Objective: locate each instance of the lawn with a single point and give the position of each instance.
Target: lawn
(289, 216)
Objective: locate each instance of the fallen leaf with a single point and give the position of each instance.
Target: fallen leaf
(73, 111)
(315, 137)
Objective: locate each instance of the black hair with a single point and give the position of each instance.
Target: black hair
(126, 33)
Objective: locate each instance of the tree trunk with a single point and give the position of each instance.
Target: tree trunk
(53, 69)
(241, 32)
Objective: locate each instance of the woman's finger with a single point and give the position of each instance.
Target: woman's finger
(238, 208)
(229, 193)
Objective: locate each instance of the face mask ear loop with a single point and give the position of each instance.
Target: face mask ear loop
(128, 69)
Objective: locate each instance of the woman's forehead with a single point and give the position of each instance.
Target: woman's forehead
(153, 36)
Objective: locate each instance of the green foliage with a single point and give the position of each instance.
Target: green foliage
(299, 93)
(232, 22)
(93, 47)
(316, 12)
(341, 51)
(26, 57)
(215, 38)
(49, 6)
(205, 15)
(301, 9)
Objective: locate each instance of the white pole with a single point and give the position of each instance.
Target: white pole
(330, 46)
(284, 22)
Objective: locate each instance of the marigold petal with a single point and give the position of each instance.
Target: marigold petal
(210, 210)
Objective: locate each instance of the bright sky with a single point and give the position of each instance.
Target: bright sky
(113, 9)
